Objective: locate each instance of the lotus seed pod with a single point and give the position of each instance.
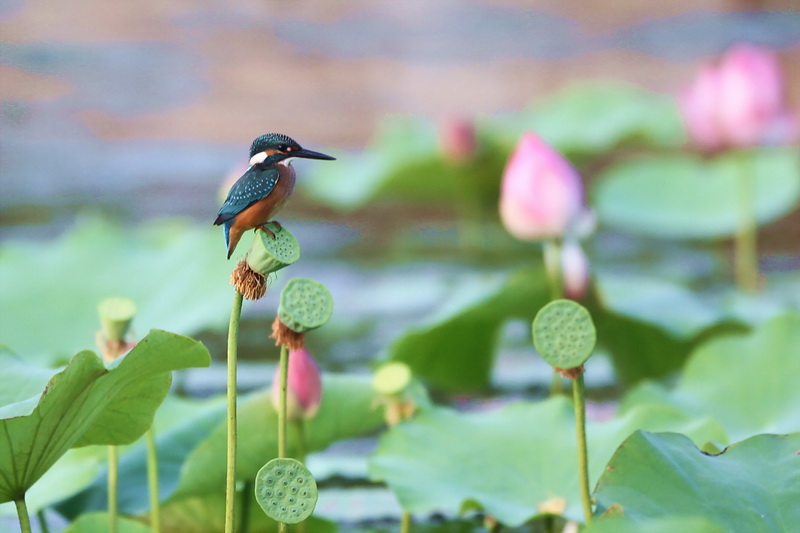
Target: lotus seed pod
(564, 334)
(305, 305)
(286, 490)
(116, 315)
(268, 254)
(392, 378)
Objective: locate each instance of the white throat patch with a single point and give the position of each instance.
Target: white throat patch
(260, 157)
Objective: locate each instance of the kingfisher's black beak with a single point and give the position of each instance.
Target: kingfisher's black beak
(310, 154)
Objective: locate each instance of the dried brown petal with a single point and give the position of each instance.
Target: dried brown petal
(286, 337)
(248, 282)
(570, 373)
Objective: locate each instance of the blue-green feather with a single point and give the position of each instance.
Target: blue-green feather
(254, 185)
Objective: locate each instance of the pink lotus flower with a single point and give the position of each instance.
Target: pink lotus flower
(304, 386)
(738, 102)
(541, 193)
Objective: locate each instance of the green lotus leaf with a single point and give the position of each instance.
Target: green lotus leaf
(98, 523)
(593, 118)
(348, 409)
(72, 473)
(685, 197)
(724, 376)
(669, 306)
(180, 425)
(515, 463)
(753, 486)
(405, 160)
(206, 514)
(49, 290)
(656, 525)
(89, 403)
(454, 347)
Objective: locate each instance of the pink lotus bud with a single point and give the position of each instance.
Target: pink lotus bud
(738, 102)
(304, 386)
(541, 192)
(699, 106)
(457, 138)
(575, 269)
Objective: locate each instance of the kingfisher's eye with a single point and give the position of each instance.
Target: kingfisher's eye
(282, 147)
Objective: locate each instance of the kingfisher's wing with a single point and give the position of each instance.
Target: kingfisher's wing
(256, 183)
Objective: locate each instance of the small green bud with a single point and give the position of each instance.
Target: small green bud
(268, 254)
(305, 305)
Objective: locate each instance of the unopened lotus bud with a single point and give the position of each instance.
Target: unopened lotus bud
(458, 139)
(575, 269)
(541, 193)
(303, 386)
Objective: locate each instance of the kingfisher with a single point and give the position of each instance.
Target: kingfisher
(263, 189)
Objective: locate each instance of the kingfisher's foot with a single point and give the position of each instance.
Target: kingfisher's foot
(265, 228)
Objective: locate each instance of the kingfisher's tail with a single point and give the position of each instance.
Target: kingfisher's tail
(227, 230)
(232, 236)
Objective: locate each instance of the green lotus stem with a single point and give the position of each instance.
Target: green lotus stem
(300, 455)
(230, 480)
(284, 368)
(244, 509)
(746, 243)
(284, 373)
(152, 481)
(22, 512)
(556, 385)
(43, 527)
(552, 263)
(468, 208)
(300, 430)
(405, 522)
(579, 399)
(113, 481)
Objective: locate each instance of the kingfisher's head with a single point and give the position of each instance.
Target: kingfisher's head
(279, 147)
